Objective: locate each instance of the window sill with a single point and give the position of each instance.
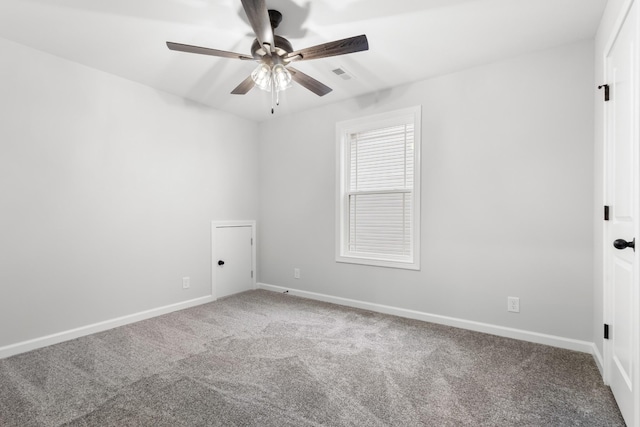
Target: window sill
(406, 265)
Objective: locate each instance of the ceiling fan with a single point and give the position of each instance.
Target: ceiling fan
(275, 54)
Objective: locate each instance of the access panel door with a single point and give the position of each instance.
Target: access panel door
(233, 260)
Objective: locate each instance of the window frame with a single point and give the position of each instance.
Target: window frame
(373, 122)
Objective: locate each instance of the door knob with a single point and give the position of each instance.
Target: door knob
(622, 244)
(221, 262)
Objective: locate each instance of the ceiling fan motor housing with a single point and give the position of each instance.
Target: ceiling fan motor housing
(283, 46)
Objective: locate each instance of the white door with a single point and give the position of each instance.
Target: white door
(622, 295)
(233, 259)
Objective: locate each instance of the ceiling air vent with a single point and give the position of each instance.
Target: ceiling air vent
(343, 74)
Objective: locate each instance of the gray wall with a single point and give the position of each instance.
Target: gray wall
(507, 196)
(107, 191)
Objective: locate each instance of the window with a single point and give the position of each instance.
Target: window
(378, 190)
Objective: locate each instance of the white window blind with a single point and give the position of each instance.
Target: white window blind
(378, 190)
(380, 187)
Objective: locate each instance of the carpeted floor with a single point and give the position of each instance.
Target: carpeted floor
(266, 359)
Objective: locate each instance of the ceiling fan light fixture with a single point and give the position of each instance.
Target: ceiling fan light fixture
(281, 77)
(262, 77)
(275, 53)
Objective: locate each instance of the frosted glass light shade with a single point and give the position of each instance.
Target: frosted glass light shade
(262, 77)
(281, 77)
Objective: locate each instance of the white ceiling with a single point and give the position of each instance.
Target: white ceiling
(409, 40)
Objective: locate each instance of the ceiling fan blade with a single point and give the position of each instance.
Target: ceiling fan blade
(338, 47)
(258, 15)
(206, 51)
(309, 82)
(244, 87)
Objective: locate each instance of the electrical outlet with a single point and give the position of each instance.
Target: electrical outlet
(186, 283)
(513, 304)
(296, 273)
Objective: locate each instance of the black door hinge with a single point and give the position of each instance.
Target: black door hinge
(606, 331)
(606, 213)
(606, 91)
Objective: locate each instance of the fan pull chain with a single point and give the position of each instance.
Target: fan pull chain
(272, 108)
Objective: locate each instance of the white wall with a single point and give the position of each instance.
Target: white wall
(507, 196)
(107, 190)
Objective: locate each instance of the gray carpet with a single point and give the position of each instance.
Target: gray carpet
(266, 359)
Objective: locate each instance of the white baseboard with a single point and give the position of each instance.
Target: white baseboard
(535, 337)
(598, 358)
(59, 337)
(519, 334)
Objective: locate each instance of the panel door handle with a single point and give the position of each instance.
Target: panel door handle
(623, 244)
(220, 262)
